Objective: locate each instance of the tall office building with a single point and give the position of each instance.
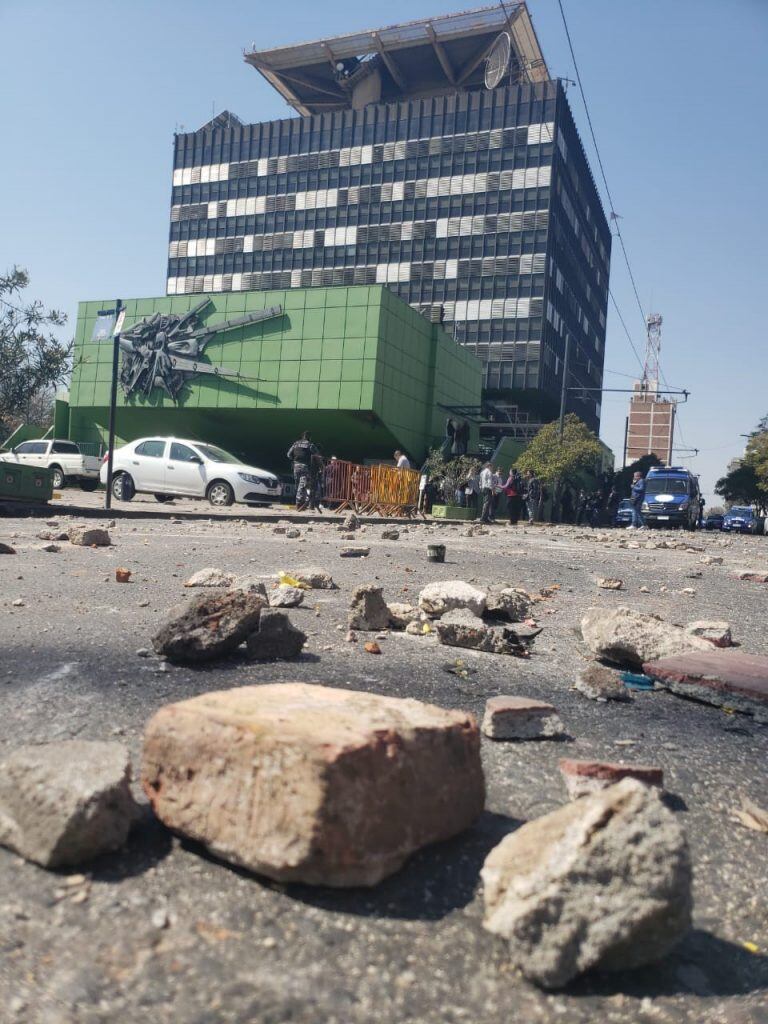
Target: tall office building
(474, 204)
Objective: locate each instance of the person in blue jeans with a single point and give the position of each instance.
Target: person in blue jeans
(638, 497)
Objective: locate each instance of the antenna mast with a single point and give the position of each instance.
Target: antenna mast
(650, 381)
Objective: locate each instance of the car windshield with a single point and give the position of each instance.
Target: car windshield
(666, 485)
(213, 454)
(739, 510)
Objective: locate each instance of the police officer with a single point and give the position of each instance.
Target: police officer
(301, 454)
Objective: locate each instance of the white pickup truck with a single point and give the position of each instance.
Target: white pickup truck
(63, 458)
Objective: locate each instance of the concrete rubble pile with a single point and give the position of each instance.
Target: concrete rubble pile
(214, 625)
(490, 620)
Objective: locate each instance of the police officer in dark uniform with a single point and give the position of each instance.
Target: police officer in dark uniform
(301, 454)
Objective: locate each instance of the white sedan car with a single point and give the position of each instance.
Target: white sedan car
(171, 467)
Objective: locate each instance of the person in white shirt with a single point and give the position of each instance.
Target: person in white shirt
(498, 483)
(401, 460)
(486, 490)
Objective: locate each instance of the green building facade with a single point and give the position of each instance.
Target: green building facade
(356, 366)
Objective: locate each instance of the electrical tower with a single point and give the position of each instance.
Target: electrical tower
(650, 428)
(650, 381)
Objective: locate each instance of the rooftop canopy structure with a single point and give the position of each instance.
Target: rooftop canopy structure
(428, 57)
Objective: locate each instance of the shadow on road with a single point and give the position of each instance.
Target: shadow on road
(432, 884)
(702, 964)
(149, 842)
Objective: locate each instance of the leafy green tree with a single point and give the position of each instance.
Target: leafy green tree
(554, 460)
(746, 482)
(741, 486)
(32, 359)
(558, 461)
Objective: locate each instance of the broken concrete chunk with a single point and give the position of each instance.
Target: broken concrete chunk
(600, 683)
(507, 603)
(723, 678)
(460, 628)
(354, 552)
(251, 585)
(88, 536)
(6, 549)
(372, 779)
(208, 626)
(718, 633)
(314, 579)
(583, 777)
(65, 803)
(752, 576)
(368, 610)
(351, 522)
(276, 637)
(609, 583)
(292, 533)
(604, 882)
(286, 596)
(439, 598)
(624, 636)
(210, 578)
(390, 534)
(520, 718)
(401, 614)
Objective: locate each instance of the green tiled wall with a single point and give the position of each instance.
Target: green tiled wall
(358, 354)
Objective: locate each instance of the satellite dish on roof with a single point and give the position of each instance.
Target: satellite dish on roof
(497, 61)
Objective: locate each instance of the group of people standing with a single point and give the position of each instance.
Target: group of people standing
(524, 493)
(483, 488)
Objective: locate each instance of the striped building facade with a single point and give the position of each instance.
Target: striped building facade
(477, 208)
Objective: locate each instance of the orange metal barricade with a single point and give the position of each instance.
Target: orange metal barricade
(368, 489)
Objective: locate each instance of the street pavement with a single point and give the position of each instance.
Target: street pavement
(162, 932)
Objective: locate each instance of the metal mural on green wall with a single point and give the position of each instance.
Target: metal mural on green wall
(165, 350)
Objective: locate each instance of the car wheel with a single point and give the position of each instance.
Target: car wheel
(89, 485)
(123, 487)
(59, 480)
(163, 498)
(220, 494)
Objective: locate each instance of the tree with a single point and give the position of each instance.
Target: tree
(741, 486)
(556, 461)
(454, 471)
(32, 359)
(746, 481)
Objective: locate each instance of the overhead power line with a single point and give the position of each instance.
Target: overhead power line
(626, 329)
(613, 214)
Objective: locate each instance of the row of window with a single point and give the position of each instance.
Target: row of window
(376, 174)
(509, 226)
(423, 208)
(412, 149)
(487, 254)
(420, 188)
(403, 270)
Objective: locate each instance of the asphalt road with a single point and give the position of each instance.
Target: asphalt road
(161, 932)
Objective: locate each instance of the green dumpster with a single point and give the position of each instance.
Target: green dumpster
(24, 483)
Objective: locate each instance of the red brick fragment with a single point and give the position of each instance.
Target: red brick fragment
(582, 777)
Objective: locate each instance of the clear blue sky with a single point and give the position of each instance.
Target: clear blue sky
(93, 91)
